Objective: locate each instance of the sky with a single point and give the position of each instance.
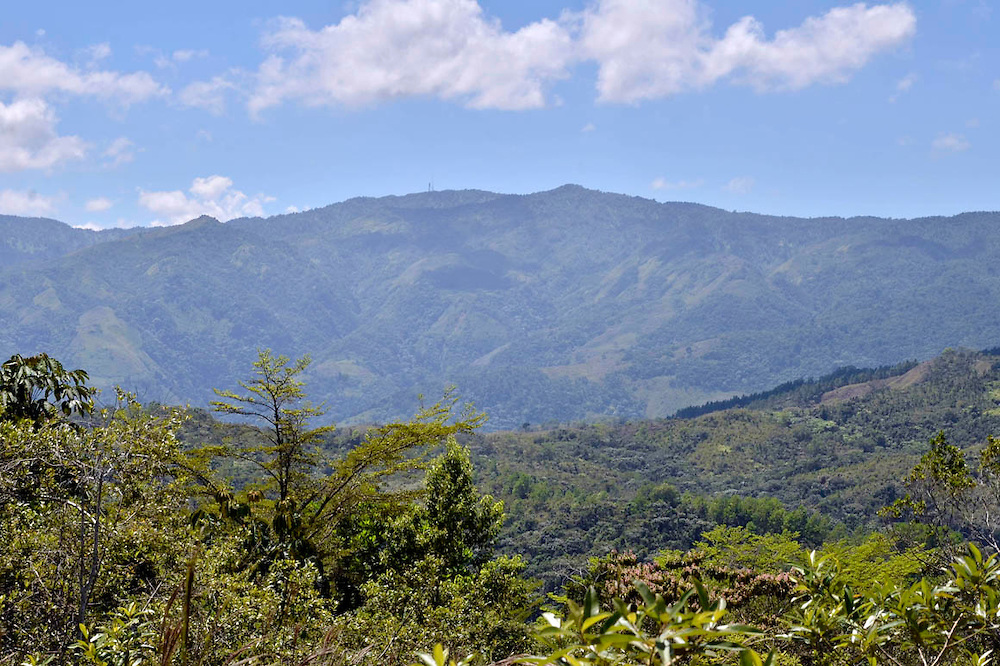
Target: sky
(125, 114)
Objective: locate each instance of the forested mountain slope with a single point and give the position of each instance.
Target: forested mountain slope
(830, 452)
(561, 305)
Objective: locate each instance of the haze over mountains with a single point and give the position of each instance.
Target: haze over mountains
(560, 305)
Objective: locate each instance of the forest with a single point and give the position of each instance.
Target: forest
(850, 519)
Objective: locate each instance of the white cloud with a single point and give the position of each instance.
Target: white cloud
(28, 71)
(208, 95)
(906, 82)
(589, 127)
(97, 52)
(170, 61)
(20, 202)
(28, 138)
(292, 209)
(213, 195)
(119, 152)
(392, 49)
(120, 223)
(89, 226)
(211, 187)
(664, 184)
(647, 49)
(184, 55)
(904, 85)
(740, 185)
(950, 143)
(99, 204)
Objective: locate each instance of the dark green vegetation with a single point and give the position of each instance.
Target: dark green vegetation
(136, 536)
(563, 305)
(817, 458)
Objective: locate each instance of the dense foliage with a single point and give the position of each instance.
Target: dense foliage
(821, 460)
(139, 535)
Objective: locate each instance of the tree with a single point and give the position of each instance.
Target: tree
(276, 397)
(456, 523)
(331, 512)
(439, 582)
(946, 496)
(38, 388)
(90, 516)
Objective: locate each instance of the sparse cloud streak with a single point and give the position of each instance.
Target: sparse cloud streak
(951, 142)
(664, 184)
(740, 185)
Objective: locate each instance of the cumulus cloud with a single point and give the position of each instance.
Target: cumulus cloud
(121, 151)
(213, 195)
(647, 49)
(20, 202)
(664, 184)
(644, 49)
(391, 49)
(950, 143)
(27, 71)
(740, 185)
(28, 137)
(98, 205)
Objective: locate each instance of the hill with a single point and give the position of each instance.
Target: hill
(816, 460)
(550, 307)
(816, 457)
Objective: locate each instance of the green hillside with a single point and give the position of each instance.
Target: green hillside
(552, 307)
(818, 462)
(818, 457)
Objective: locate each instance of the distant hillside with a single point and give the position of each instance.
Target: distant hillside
(27, 240)
(571, 492)
(557, 306)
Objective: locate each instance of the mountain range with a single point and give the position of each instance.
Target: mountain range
(556, 306)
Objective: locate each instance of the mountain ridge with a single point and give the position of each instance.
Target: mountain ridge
(554, 306)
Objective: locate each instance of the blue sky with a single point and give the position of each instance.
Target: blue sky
(123, 114)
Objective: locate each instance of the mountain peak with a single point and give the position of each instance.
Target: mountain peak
(201, 221)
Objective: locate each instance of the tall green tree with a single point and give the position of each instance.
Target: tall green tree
(275, 397)
(455, 523)
(333, 512)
